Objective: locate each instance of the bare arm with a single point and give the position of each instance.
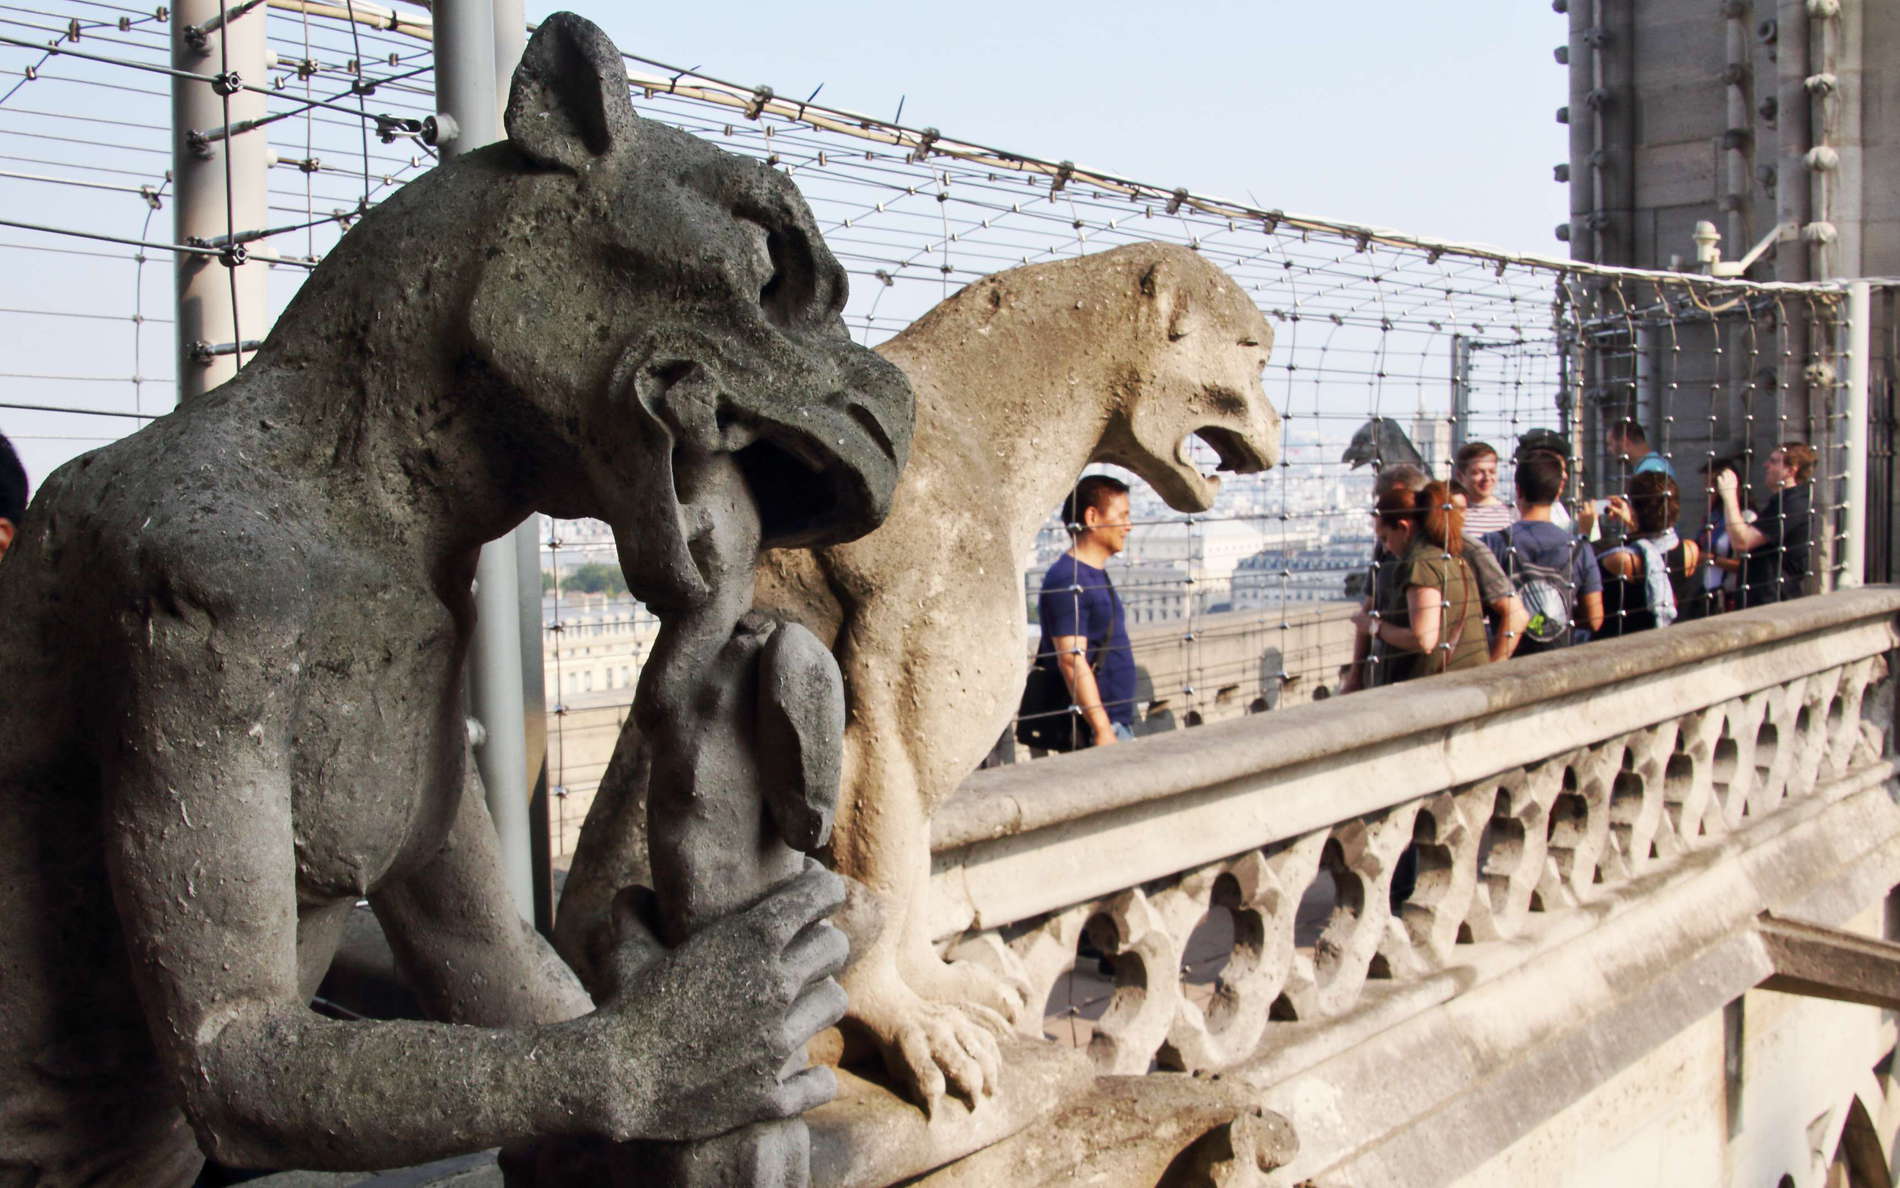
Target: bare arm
(1072, 659)
(1592, 605)
(1512, 619)
(1742, 535)
(1423, 603)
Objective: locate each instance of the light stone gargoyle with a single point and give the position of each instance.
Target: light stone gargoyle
(1022, 379)
(233, 650)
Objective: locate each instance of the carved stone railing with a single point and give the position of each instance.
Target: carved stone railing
(1533, 793)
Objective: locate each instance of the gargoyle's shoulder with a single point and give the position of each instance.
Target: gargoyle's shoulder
(176, 539)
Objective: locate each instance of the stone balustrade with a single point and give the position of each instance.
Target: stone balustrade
(1540, 800)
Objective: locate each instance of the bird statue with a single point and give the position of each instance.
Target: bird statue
(1382, 443)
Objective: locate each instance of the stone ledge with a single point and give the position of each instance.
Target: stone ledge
(1022, 840)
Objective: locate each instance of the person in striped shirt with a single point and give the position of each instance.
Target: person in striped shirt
(1478, 475)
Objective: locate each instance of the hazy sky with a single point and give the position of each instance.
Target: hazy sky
(1431, 118)
(1435, 118)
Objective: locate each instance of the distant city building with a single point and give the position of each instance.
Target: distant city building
(593, 646)
(1280, 577)
(1431, 433)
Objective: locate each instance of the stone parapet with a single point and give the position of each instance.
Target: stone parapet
(1595, 832)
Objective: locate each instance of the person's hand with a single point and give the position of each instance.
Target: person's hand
(1362, 621)
(1106, 738)
(1586, 518)
(1726, 482)
(711, 1036)
(1618, 508)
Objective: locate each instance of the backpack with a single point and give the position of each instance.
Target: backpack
(1549, 594)
(1047, 717)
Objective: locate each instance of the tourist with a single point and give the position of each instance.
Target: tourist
(1648, 578)
(1431, 619)
(1477, 473)
(1084, 629)
(12, 494)
(1626, 440)
(1553, 569)
(1505, 616)
(1774, 547)
(1382, 574)
(1721, 573)
(1549, 441)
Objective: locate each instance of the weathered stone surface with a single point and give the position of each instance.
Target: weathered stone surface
(1022, 379)
(600, 317)
(1137, 1132)
(870, 1137)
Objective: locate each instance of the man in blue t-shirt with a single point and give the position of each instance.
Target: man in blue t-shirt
(1534, 538)
(1627, 441)
(1084, 633)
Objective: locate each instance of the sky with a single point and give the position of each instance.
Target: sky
(1435, 118)
(1431, 118)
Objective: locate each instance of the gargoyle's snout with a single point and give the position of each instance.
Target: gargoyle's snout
(824, 473)
(1238, 452)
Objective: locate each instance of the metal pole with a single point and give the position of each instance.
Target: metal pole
(1793, 202)
(510, 38)
(1860, 309)
(1460, 393)
(212, 328)
(465, 92)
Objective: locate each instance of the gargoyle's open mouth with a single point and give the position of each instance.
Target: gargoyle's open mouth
(798, 497)
(1237, 455)
(808, 490)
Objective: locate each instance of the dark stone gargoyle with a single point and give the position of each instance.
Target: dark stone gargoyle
(233, 649)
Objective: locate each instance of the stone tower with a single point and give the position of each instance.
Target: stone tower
(1710, 133)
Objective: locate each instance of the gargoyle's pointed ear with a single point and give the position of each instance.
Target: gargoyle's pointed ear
(569, 105)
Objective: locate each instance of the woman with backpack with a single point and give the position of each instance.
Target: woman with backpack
(1650, 578)
(1430, 619)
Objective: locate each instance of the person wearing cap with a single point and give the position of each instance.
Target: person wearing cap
(1549, 441)
(12, 494)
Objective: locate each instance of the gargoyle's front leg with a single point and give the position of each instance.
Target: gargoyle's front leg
(743, 722)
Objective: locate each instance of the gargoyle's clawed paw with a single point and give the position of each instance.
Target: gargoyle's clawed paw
(941, 1048)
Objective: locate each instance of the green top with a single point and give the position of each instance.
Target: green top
(1427, 565)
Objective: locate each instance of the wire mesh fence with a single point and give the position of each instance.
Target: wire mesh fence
(87, 187)
(1389, 347)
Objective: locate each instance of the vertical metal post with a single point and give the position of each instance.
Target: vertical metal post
(511, 34)
(1860, 341)
(1460, 393)
(1643, 400)
(510, 37)
(1793, 196)
(220, 188)
(465, 91)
